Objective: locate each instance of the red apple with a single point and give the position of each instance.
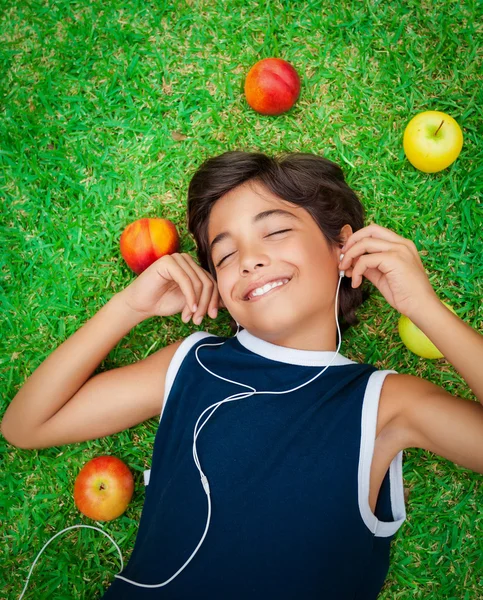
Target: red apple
(103, 488)
(145, 240)
(272, 86)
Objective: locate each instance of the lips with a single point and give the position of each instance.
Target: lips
(260, 284)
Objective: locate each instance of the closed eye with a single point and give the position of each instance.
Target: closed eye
(270, 234)
(281, 231)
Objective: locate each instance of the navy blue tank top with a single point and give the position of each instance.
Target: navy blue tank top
(289, 477)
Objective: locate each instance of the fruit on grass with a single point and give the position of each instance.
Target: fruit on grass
(146, 240)
(272, 86)
(103, 488)
(432, 141)
(415, 340)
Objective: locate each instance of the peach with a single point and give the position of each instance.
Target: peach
(272, 86)
(146, 240)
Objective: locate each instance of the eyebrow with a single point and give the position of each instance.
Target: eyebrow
(263, 215)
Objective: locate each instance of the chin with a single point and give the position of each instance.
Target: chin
(271, 327)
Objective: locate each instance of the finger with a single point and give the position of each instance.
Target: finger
(368, 244)
(204, 289)
(178, 272)
(198, 268)
(189, 266)
(214, 302)
(385, 262)
(204, 301)
(209, 304)
(186, 314)
(375, 231)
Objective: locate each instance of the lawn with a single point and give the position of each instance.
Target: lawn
(107, 109)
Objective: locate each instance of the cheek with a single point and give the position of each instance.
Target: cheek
(315, 262)
(305, 255)
(225, 284)
(294, 251)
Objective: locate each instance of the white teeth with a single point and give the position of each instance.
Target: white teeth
(268, 286)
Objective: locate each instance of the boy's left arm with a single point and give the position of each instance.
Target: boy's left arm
(434, 419)
(425, 415)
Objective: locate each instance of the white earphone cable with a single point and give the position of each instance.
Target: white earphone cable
(204, 479)
(53, 538)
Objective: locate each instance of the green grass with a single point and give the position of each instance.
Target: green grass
(91, 95)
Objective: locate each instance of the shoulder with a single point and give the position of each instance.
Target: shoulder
(402, 392)
(417, 409)
(424, 415)
(398, 393)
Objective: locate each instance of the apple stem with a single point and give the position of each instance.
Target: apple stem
(102, 486)
(436, 133)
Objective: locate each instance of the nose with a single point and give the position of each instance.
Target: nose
(252, 257)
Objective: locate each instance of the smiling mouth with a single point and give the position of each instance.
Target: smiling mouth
(255, 298)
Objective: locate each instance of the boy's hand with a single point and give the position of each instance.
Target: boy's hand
(392, 264)
(171, 284)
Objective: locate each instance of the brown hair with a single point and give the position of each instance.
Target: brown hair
(313, 182)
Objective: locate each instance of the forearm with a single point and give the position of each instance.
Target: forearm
(460, 344)
(63, 372)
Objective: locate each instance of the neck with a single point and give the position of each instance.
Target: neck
(321, 336)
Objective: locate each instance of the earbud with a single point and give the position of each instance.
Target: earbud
(341, 273)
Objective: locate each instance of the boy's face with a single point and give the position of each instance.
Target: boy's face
(254, 256)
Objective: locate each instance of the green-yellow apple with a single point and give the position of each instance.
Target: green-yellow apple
(415, 340)
(432, 141)
(103, 488)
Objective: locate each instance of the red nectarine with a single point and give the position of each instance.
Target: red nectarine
(146, 240)
(272, 86)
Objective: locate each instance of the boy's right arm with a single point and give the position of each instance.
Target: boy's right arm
(59, 404)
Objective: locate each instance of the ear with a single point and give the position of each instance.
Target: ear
(346, 232)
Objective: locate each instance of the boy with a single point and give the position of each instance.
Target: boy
(306, 487)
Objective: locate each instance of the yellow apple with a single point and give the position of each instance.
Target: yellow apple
(415, 340)
(432, 141)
